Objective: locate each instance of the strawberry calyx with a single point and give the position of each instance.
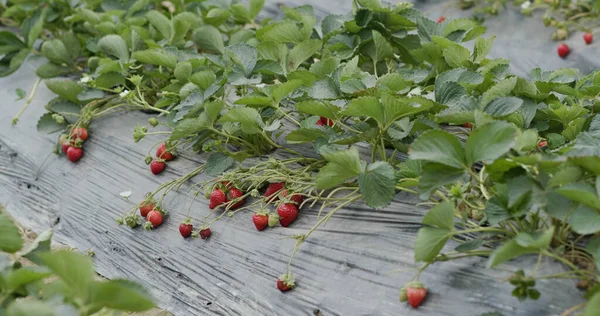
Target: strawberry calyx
(415, 285)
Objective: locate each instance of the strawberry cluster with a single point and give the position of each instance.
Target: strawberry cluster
(72, 145)
(163, 154)
(287, 209)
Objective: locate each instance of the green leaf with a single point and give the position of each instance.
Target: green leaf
(255, 6)
(593, 306)
(509, 250)
(203, 79)
(121, 295)
(156, 57)
(500, 89)
(25, 275)
(585, 220)
(435, 176)
(482, 48)
(51, 70)
(314, 107)
(490, 142)
(456, 55)
(565, 175)
(114, 45)
(109, 80)
(240, 13)
(74, 269)
(301, 52)
(503, 106)
(47, 125)
(56, 52)
(9, 43)
(10, 236)
(305, 135)
(527, 141)
(245, 56)
(40, 245)
(440, 147)
(209, 39)
(365, 106)
(213, 109)
(581, 192)
(381, 48)
(280, 32)
(249, 119)
(442, 216)
(30, 307)
(91, 94)
(21, 94)
(538, 240)
(324, 89)
(162, 24)
(217, 163)
(593, 247)
(284, 89)
(342, 165)
(36, 27)
(429, 243)
(400, 129)
(65, 88)
(370, 4)
(10, 63)
(395, 108)
(469, 245)
(378, 184)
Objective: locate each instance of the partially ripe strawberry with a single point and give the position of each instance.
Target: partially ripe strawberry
(162, 153)
(543, 144)
(205, 233)
(563, 50)
(80, 133)
(146, 207)
(285, 282)
(260, 220)
(272, 191)
(153, 219)
(415, 292)
(588, 37)
(287, 213)
(235, 193)
(74, 153)
(65, 146)
(157, 166)
(217, 198)
(295, 198)
(185, 229)
(441, 19)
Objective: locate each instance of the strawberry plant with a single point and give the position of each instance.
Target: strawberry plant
(291, 115)
(35, 280)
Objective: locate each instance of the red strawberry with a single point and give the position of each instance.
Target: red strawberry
(162, 153)
(467, 125)
(224, 183)
(563, 50)
(287, 213)
(65, 146)
(441, 19)
(205, 233)
(74, 153)
(153, 219)
(185, 228)
(588, 37)
(80, 133)
(320, 123)
(146, 207)
(416, 292)
(235, 193)
(217, 198)
(260, 220)
(157, 166)
(285, 282)
(543, 144)
(272, 191)
(295, 198)
(325, 121)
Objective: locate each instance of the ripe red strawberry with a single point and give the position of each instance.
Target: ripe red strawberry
(65, 146)
(205, 233)
(260, 220)
(272, 191)
(320, 123)
(217, 198)
(235, 193)
(588, 37)
(441, 19)
(146, 207)
(467, 125)
(74, 153)
(325, 121)
(285, 282)
(287, 213)
(153, 219)
(295, 198)
(80, 133)
(162, 153)
(563, 50)
(543, 144)
(415, 292)
(157, 166)
(185, 228)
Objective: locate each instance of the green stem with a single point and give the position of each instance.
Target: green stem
(15, 119)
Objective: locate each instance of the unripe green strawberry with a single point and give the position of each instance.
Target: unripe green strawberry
(273, 219)
(403, 296)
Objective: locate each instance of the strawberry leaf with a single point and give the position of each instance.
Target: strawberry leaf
(585, 220)
(156, 57)
(217, 163)
(114, 45)
(342, 165)
(120, 295)
(442, 216)
(439, 147)
(490, 142)
(581, 192)
(10, 236)
(74, 269)
(429, 243)
(377, 184)
(209, 39)
(593, 305)
(48, 125)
